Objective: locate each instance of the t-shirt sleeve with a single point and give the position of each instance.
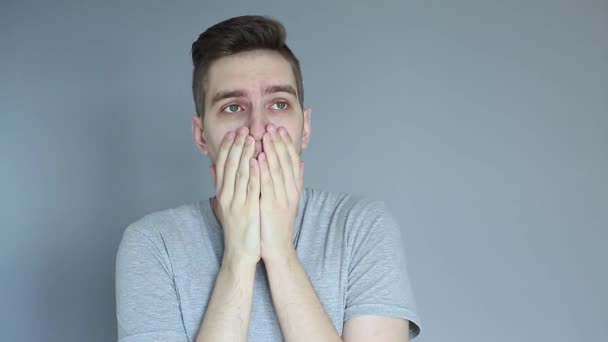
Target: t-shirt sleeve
(378, 279)
(147, 306)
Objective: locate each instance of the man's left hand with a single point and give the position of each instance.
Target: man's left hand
(282, 181)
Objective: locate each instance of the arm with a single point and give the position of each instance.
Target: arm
(227, 315)
(380, 305)
(376, 328)
(302, 317)
(301, 314)
(237, 208)
(147, 306)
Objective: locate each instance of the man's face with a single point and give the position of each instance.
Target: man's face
(250, 89)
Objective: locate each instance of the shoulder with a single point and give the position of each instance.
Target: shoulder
(352, 208)
(165, 222)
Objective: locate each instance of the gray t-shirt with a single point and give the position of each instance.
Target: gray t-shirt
(351, 248)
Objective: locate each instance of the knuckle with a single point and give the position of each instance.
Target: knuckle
(230, 161)
(224, 203)
(231, 207)
(226, 145)
(296, 196)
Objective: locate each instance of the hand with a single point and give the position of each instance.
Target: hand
(282, 180)
(237, 187)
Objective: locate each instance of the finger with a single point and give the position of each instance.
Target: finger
(253, 187)
(291, 149)
(276, 174)
(221, 160)
(265, 182)
(242, 175)
(232, 163)
(287, 167)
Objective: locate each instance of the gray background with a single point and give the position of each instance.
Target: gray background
(482, 124)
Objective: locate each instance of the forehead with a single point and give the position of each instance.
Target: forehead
(251, 71)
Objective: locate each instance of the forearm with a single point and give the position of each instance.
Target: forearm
(229, 309)
(301, 314)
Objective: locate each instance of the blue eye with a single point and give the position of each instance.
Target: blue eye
(283, 105)
(233, 108)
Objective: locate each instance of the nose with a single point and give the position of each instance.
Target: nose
(257, 126)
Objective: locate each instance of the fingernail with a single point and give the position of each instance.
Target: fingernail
(248, 140)
(230, 135)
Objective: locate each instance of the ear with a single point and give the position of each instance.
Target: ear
(199, 134)
(306, 128)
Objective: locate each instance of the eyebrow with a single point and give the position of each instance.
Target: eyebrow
(279, 88)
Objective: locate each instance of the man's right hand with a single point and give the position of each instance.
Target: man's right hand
(237, 188)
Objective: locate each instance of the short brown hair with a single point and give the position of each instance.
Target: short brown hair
(234, 35)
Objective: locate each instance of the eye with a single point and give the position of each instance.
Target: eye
(233, 108)
(282, 105)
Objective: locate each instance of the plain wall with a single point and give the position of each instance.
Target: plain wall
(482, 124)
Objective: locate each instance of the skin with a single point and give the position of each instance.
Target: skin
(257, 114)
(257, 192)
(250, 71)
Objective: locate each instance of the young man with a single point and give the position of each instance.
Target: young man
(265, 259)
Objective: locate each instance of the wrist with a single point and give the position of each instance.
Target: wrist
(281, 259)
(238, 263)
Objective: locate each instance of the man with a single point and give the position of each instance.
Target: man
(265, 259)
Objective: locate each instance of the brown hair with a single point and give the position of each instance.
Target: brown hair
(234, 35)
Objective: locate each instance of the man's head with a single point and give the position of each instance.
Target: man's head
(245, 75)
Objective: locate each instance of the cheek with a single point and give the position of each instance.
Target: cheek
(214, 148)
(217, 137)
(294, 133)
(296, 138)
